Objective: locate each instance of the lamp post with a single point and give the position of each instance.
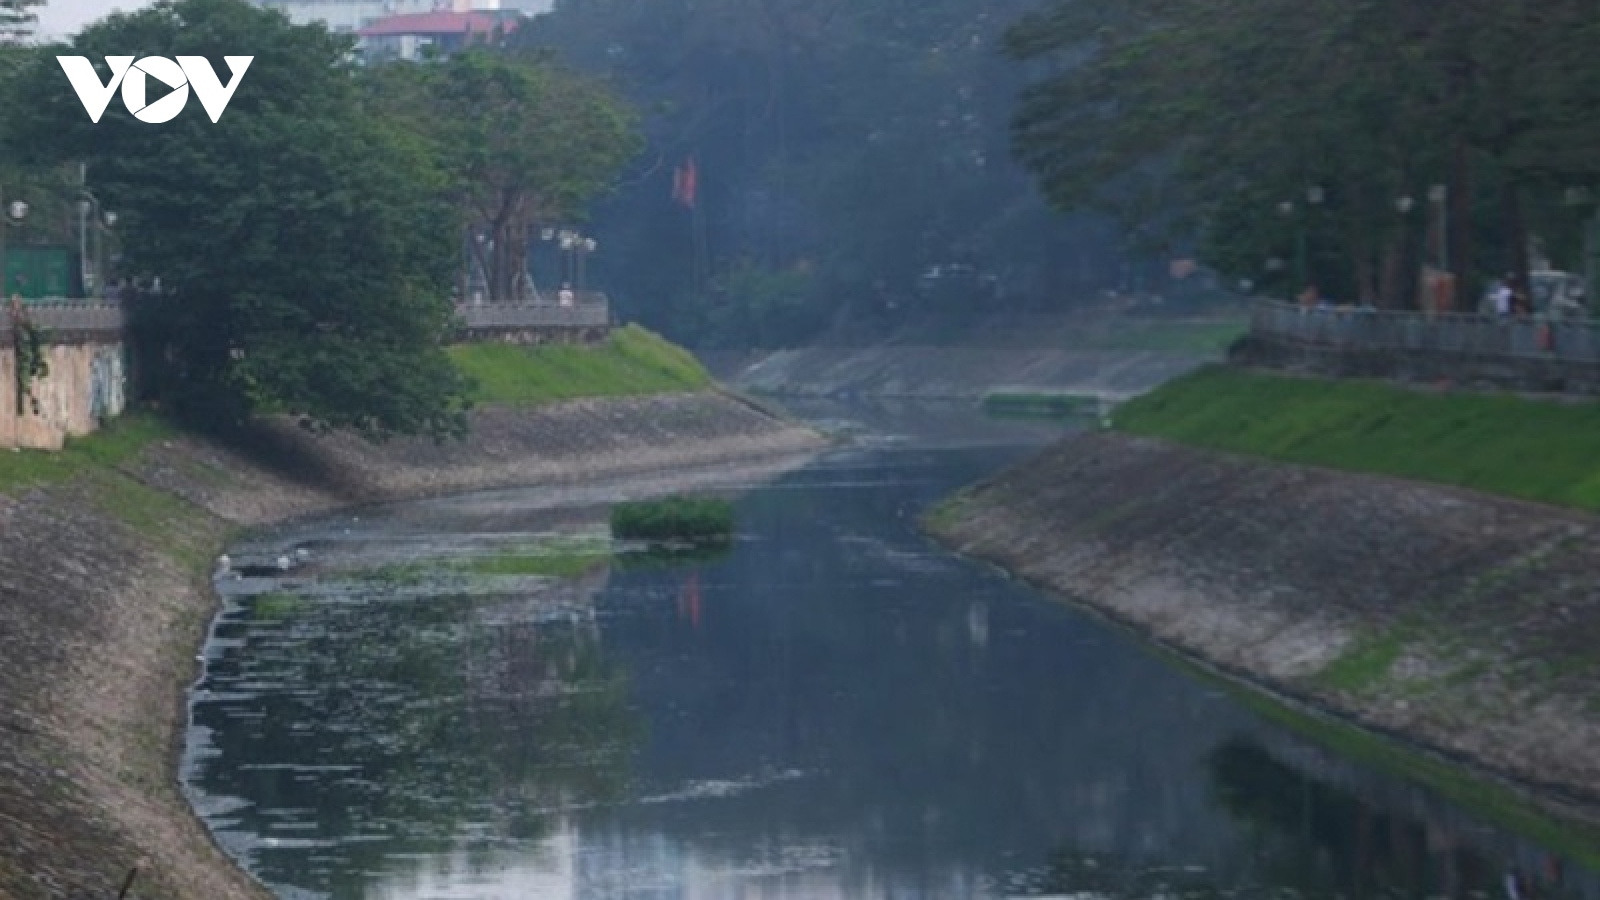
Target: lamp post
(1582, 196)
(105, 222)
(11, 214)
(1437, 196)
(586, 247)
(1314, 198)
(89, 205)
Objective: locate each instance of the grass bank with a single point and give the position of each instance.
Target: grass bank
(107, 448)
(632, 361)
(1534, 450)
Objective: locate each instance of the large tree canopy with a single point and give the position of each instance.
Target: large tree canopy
(842, 148)
(523, 142)
(1206, 117)
(297, 240)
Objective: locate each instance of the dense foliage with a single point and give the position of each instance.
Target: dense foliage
(525, 146)
(298, 256)
(680, 518)
(1217, 120)
(840, 150)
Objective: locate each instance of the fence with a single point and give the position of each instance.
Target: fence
(589, 311)
(1448, 334)
(99, 318)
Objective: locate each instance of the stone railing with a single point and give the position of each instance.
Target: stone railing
(1437, 334)
(588, 311)
(81, 317)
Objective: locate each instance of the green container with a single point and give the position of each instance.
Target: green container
(40, 271)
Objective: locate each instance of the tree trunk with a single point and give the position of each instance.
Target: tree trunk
(1392, 276)
(1459, 233)
(1517, 234)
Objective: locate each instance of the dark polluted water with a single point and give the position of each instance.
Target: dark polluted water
(831, 708)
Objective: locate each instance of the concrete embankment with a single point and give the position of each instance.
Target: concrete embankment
(104, 597)
(1090, 354)
(1461, 622)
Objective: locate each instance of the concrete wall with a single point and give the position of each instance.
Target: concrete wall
(87, 384)
(534, 336)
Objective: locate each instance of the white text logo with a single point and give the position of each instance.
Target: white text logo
(187, 72)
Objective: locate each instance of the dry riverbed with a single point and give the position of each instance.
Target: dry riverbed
(104, 597)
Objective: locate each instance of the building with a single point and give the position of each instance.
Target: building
(350, 16)
(420, 35)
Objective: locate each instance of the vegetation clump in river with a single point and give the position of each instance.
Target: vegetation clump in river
(678, 518)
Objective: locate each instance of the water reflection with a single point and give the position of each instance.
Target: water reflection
(366, 731)
(830, 707)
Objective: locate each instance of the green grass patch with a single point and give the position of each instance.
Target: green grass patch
(678, 518)
(947, 512)
(631, 361)
(276, 607)
(112, 445)
(1040, 405)
(1365, 663)
(1543, 451)
(557, 559)
(565, 557)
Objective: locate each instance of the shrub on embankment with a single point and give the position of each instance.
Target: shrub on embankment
(1533, 449)
(632, 361)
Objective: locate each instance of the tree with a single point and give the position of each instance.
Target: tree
(527, 144)
(301, 243)
(859, 143)
(523, 142)
(1204, 117)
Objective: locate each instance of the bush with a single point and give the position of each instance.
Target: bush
(674, 518)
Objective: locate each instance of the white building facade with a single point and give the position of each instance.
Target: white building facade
(349, 16)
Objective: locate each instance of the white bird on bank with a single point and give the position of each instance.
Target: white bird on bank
(302, 554)
(283, 564)
(224, 565)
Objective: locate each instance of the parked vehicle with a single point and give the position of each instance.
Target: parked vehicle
(1560, 295)
(1556, 294)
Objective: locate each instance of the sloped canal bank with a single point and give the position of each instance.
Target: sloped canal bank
(835, 708)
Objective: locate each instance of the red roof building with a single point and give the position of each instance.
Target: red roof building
(438, 34)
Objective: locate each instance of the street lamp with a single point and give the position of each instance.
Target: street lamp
(10, 215)
(89, 204)
(1437, 195)
(586, 247)
(1582, 196)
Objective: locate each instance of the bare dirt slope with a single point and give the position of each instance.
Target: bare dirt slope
(104, 596)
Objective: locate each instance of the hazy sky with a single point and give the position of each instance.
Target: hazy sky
(59, 18)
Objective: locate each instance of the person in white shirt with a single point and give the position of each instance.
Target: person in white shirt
(1502, 299)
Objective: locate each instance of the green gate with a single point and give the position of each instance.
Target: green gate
(39, 271)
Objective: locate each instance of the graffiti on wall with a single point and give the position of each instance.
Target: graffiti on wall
(107, 379)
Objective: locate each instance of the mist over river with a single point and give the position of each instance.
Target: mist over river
(834, 707)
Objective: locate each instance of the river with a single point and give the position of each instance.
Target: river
(832, 708)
